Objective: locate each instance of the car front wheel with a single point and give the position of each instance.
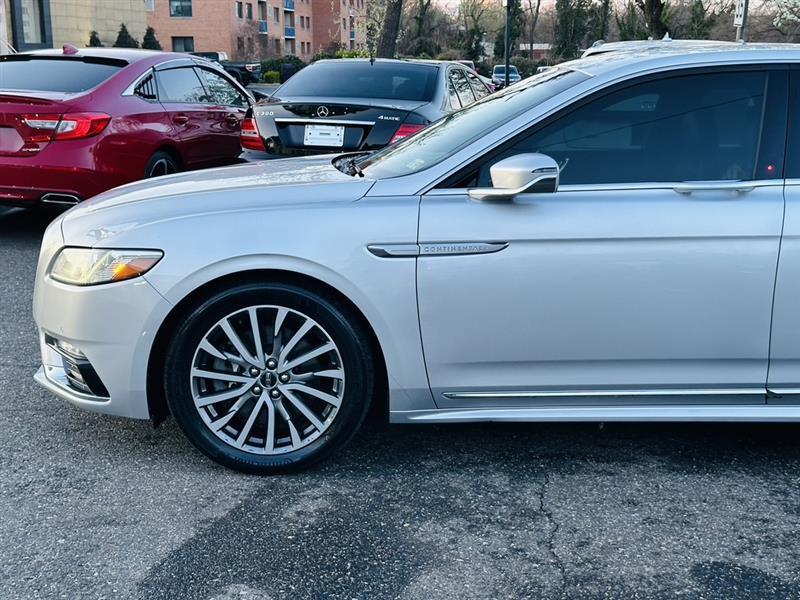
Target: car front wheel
(269, 378)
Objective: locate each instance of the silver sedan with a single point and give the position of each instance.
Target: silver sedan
(614, 239)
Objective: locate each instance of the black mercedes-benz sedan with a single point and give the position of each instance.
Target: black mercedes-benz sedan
(345, 105)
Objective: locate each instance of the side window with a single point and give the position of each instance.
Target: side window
(181, 85)
(686, 128)
(147, 89)
(220, 90)
(463, 89)
(452, 94)
(477, 86)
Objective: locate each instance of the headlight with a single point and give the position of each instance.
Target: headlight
(92, 266)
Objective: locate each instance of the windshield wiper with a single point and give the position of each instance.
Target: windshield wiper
(348, 163)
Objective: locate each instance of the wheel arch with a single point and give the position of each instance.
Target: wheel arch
(156, 402)
(173, 151)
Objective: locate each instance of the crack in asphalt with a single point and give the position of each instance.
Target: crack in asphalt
(551, 537)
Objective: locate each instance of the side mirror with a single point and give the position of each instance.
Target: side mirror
(520, 174)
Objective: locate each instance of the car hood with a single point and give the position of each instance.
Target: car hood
(254, 186)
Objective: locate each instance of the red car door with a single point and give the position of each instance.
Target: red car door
(187, 103)
(229, 105)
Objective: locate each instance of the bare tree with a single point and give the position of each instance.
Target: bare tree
(655, 17)
(387, 44)
(532, 15)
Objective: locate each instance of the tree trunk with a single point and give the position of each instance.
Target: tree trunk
(390, 30)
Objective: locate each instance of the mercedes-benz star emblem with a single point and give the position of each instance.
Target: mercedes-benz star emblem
(323, 111)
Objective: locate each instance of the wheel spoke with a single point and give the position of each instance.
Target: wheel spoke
(304, 329)
(212, 350)
(256, 336)
(237, 343)
(225, 419)
(269, 442)
(332, 373)
(242, 438)
(220, 397)
(326, 347)
(300, 405)
(307, 389)
(231, 377)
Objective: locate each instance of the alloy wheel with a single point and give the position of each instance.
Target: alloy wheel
(162, 166)
(267, 380)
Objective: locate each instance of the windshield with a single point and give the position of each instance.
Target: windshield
(501, 69)
(54, 74)
(385, 80)
(461, 128)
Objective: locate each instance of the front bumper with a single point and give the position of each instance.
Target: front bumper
(114, 326)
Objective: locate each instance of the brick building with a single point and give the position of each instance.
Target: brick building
(250, 29)
(33, 24)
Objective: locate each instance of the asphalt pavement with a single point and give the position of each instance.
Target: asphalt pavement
(99, 507)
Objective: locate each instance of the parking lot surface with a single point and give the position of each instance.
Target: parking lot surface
(98, 507)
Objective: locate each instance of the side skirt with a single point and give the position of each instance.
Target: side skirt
(685, 413)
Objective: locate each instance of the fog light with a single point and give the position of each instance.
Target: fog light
(70, 349)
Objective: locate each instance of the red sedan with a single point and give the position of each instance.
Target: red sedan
(74, 123)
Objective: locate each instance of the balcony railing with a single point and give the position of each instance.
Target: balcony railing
(263, 27)
(352, 35)
(288, 4)
(288, 32)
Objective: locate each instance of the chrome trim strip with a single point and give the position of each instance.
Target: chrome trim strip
(312, 121)
(54, 379)
(620, 187)
(602, 393)
(460, 248)
(689, 413)
(787, 391)
(394, 250)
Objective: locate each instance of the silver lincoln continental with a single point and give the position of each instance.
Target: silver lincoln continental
(615, 239)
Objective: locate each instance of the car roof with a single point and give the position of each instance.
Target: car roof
(634, 59)
(600, 46)
(129, 55)
(397, 61)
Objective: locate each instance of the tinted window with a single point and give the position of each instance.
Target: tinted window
(221, 90)
(54, 75)
(689, 128)
(457, 130)
(452, 94)
(477, 86)
(463, 88)
(181, 85)
(342, 79)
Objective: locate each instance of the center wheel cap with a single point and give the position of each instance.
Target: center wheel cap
(269, 380)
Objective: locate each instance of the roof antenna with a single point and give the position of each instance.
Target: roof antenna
(666, 38)
(69, 49)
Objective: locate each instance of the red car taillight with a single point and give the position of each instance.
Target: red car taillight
(49, 128)
(406, 130)
(249, 137)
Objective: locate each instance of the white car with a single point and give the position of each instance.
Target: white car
(597, 243)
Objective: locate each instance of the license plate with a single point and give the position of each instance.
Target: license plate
(324, 135)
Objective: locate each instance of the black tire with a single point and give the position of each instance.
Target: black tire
(161, 163)
(339, 323)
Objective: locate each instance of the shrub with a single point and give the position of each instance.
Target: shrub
(274, 64)
(94, 40)
(271, 77)
(125, 39)
(150, 41)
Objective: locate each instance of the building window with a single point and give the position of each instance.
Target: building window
(344, 24)
(180, 8)
(149, 5)
(240, 10)
(262, 11)
(276, 14)
(183, 44)
(277, 46)
(249, 11)
(32, 29)
(308, 23)
(240, 45)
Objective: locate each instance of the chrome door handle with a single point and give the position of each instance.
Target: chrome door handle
(740, 187)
